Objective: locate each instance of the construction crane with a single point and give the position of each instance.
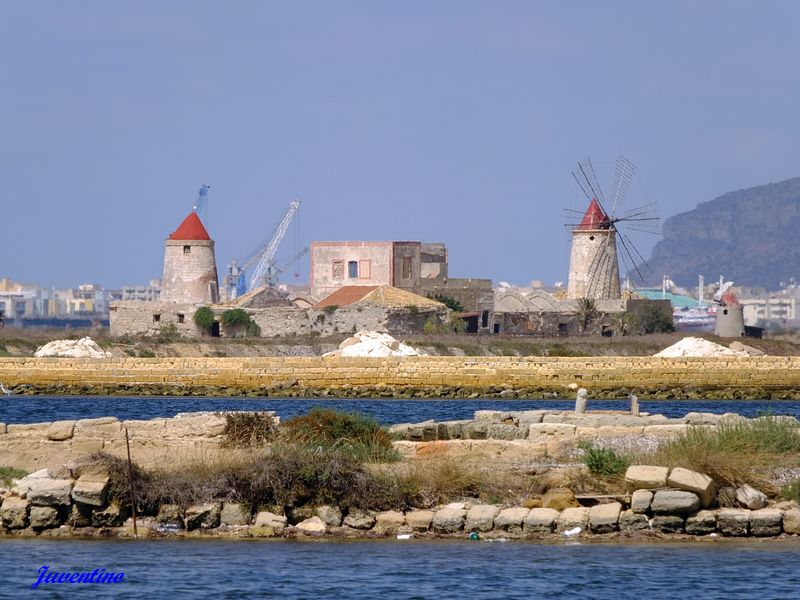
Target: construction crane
(265, 271)
(200, 205)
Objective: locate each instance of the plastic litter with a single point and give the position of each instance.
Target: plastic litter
(404, 536)
(572, 532)
(474, 536)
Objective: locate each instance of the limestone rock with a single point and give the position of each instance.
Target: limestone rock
(573, 517)
(644, 477)
(668, 523)
(60, 430)
(733, 521)
(113, 516)
(449, 520)
(80, 515)
(604, 518)
(511, 519)
(233, 514)
(692, 481)
(765, 522)
(89, 490)
(202, 516)
(791, 521)
(314, 525)
(670, 502)
(360, 519)
(481, 517)
(702, 523)
(268, 519)
(751, 498)
(541, 520)
(14, 512)
(389, 521)
(170, 513)
(559, 499)
(44, 517)
(501, 431)
(49, 492)
(631, 521)
(419, 520)
(330, 515)
(22, 485)
(641, 500)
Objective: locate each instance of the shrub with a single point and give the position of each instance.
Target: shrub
(449, 302)
(791, 491)
(413, 309)
(357, 435)
(329, 310)
(456, 324)
(235, 317)
(204, 319)
(248, 429)
(253, 330)
(167, 332)
(604, 461)
(147, 353)
(653, 319)
(431, 326)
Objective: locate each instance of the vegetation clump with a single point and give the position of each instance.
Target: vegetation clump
(248, 429)
(204, 319)
(604, 462)
(449, 302)
(9, 473)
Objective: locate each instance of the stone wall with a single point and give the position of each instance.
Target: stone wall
(131, 317)
(426, 376)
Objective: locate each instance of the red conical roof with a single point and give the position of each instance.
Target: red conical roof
(594, 217)
(191, 229)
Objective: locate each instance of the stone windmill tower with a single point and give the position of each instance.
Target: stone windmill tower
(597, 241)
(190, 267)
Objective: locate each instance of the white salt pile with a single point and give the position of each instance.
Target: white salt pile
(82, 348)
(692, 346)
(373, 343)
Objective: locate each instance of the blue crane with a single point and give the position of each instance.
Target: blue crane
(200, 205)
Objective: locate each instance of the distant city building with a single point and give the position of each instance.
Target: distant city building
(141, 293)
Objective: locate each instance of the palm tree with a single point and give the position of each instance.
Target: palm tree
(587, 311)
(621, 322)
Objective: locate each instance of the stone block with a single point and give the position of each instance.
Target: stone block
(751, 498)
(60, 430)
(202, 516)
(90, 490)
(449, 520)
(419, 520)
(765, 522)
(668, 523)
(672, 502)
(537, 431)
(423, 432)
(541, 520)
(476, 430)
(692, 481)
(481, 517)
(559, 499)
(170, 513)
(604, 518)
(630, 521)
(573, 517)
(314, 525)
(14, 512)
(49, 492)
(389, 521)
(330, 515)
(268, 519)
(112, 516)
(641, 500)
(501, 431)
(360, 519)
(233, 514)
(511, 519)
(645, 477)
(733, 521)
(44, 517)
(791, 521)
(702, 523)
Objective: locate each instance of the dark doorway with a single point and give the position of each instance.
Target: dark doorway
(215, 329)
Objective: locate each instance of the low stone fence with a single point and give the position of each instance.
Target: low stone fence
(187, 436)
(660, 502)
(427, 376)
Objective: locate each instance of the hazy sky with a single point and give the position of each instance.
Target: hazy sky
(450, 121)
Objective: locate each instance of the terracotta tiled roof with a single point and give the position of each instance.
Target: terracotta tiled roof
(191, 229)
(594, 216)
(346, 295)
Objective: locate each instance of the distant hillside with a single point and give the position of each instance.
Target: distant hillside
(750, 236)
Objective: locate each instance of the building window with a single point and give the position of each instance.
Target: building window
(187, 249)
(352, 269)
(406, 267)
(156, 318)
(364, 269)
(181, 318)
(338, 270)
(485, 319)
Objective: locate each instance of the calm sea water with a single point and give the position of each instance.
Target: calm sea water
(408, 569)
(31, 409)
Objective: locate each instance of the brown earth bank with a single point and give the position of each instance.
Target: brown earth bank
(24, 342)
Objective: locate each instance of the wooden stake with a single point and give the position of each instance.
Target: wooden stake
(130, 483)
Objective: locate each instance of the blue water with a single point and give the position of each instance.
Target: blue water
(409, 569)
(32, 409)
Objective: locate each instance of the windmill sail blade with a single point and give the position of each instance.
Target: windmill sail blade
(621, 182)
(580, 185)
(600, 197)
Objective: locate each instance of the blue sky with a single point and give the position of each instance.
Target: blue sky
(454, 121)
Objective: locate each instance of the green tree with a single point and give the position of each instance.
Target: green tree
(449, 302)
(621, 322)
(652, 318)
(235, 317)
(587, 312)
